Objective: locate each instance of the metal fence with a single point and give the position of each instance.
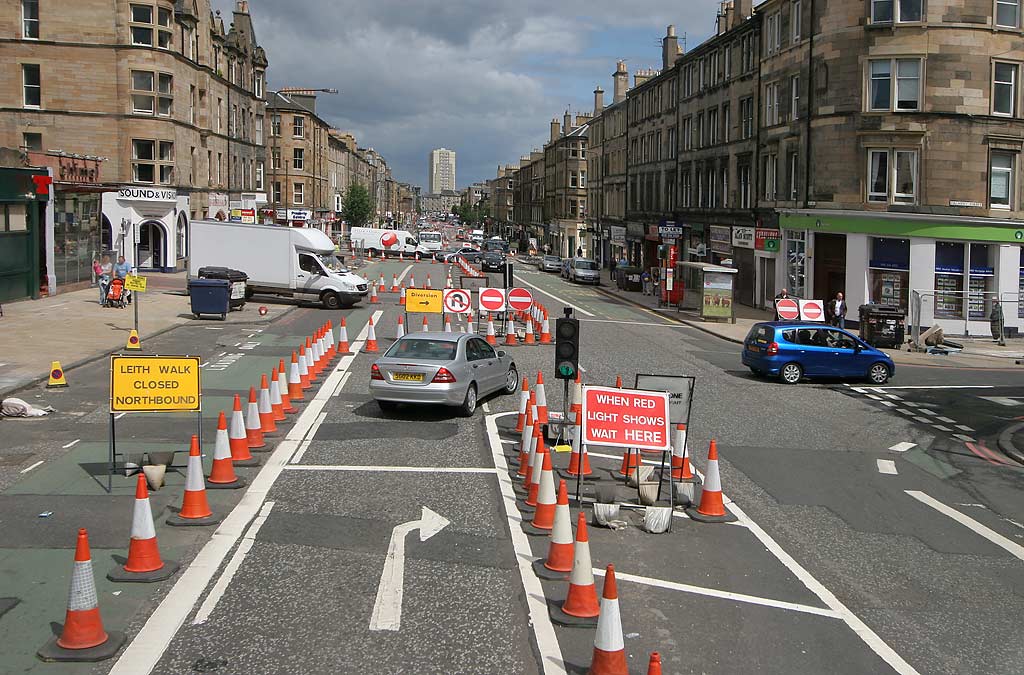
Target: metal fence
(964, 307)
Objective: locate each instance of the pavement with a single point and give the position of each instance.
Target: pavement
(867, 539)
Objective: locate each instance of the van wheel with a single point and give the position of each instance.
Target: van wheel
(331, 300)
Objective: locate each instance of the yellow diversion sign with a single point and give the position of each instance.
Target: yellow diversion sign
(154, 384)
(424, 301)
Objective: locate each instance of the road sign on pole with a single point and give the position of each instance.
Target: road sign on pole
(457, 301)
(520, 299)
(154, 384)
(626, 418)
(423, 301)
(787, 309)
(492, 300)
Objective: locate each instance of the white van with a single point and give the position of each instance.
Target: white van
(477, 236)
(387, 242)
(431, 240)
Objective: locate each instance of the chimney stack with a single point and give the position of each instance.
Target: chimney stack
(566, 123)
(621, 79)
(743, 9)
(554, 129)
(669, 48)
(598, 101)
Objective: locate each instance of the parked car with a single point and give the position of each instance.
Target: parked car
(793, 350)
(449, 369)
(585, 271)
(492, 261)
(468, 252)
(549, 263)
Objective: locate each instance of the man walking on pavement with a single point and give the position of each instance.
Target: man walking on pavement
(783, 294)
(837, 310)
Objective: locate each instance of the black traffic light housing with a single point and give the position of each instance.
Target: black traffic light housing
(567, 346)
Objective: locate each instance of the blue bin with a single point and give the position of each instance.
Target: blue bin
(210, 296)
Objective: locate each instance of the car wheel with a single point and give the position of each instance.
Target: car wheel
(468, 406)
(387, 406)
(791, 373)
(331, 300)
(511, 380)
(878, 374)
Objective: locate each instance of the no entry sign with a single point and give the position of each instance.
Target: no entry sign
(812, 310)
(492, 299)
(788, 309)
(520, 299)
(626, 418)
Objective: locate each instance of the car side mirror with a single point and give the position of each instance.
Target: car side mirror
(501, 352)
(858, 348)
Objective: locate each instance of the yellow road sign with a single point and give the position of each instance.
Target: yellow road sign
(423, 301)
(134, 283)
(154, 384)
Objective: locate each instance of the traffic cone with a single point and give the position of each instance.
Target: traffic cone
(530, 340)
(329, 341)
(580, 607)
(609, 650)
(222, 473)
(238, 440)
(526, 439)
(680, 458)
(276, 402)
(545, 331)
(447, 323)
(195, 510)
(134, 343)
(470, 328)
(400, 332)
(544, 514)
(510, 333)
(144, 563)
(401, 256)
(412, 281)
(56, 376)
(426, 324)
(524, 398)
(373, 295)
(253, 428)
(711, 509)
(491, 339)
(536, 470)
(574, 461)
(618, 381)
(382, 288)
(630, 463)
(316, 360)
(82, 638)
(428, 286)
(294, 380)
(307, 351)
(560, 545)
(654, 665)
(343, 347)
(542, 400)
(282, 388)
(394, 283)
(267, 424)
(531, 452)
(371, 338)
(401, 298)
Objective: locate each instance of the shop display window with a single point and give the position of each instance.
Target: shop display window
(796, 262)
(76, 234)
(981, 281)
(949, 280)
(889, 272)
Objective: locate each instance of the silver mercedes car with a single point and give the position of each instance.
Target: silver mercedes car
(452, 369)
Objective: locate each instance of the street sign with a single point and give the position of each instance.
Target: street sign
(680, 393)
(135, 284)
(154, 384)
(456, 301)
(626, 418)
(492, 300)
(520, 299)
(424, 301)
(812, 310)
(472, 283)
(787, 309)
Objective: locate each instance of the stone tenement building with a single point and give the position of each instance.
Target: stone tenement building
(565, 186)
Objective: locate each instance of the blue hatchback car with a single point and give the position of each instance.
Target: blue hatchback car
(793, 350)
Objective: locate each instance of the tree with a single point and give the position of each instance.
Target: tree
(357, 209)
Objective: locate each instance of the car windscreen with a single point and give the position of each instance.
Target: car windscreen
(552, 259)
(421, 349)
(585, 265)
(430, 237)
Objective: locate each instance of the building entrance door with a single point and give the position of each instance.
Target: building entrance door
(766, 283)
(829, 265)
(152, 245)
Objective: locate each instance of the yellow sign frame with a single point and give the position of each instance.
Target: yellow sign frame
(155, 384)
(135, 283)
(424, 301)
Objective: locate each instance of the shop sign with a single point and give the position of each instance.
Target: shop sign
(618, 235)
(721, 239)
(281, 214)
(652, 233)
(145, 194)
(243, 216)
(299, 214)
(767, 239)
(218, 200)
(949, 269)
(888, 265)
(982, 271)
(743, 237)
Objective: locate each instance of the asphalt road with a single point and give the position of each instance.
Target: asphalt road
(868, 539)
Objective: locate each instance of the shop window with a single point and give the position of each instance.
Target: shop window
(30, 19)
(77, 237)
(1020, 287)
(13, 218)
(981, 280)
(1001, 180)
(796, 262)
(889, 272)
(1004, 89)
(949, 280)
(1008, 13)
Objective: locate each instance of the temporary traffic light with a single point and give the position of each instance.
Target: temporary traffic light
(567, 347)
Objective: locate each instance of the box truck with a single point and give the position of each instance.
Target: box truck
(294, 262)
(387, 242)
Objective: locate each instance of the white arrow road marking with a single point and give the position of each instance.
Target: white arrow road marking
(387, 609)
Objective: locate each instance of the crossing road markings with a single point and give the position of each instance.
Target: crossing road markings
(964, 438)
(387, 469)
(1004, 400)
(946, 420)
(557, 299)
(903, 447)
(886, 466)
(964, 427)
(999, 540)
(29, 468)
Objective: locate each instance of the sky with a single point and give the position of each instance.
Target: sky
(483, 78)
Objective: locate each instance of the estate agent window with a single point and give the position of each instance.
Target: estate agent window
(889, 272)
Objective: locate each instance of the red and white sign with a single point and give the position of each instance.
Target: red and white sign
(457, 301)
(520, 299)
(626, 418)
(812, 310)
(492, 299)
(788, 309)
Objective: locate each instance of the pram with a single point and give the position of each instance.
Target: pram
(116, 293)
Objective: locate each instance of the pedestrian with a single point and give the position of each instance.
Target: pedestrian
(579, 251)
(995, 320)
(121, 271)
(783, 294)
(646, 280)
(106, 270)
(837, 310)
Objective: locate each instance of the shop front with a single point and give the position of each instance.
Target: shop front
(149, 226)
(635, 235)
(24, 199)
(946, 271)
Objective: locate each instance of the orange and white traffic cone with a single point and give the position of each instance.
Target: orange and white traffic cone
(579, 452)
(343, 347)
(609, 649)
(371, 338)
(238, 440)
(526, 440)
(195, 509)
(394, 283)
(401, 298)
(545, 331)
(222, 473)
(373, 295)
(510, 332)
(295, 380)
(400, 331)
(491, 339)
(426, 325)
(536, 469)
(381, 287)
(530, 339)
(712, 508)
(276, 402)
(428, 285)
(318, 354)
(253, 428)
(680, 459)
(630, 463)
(544, 514)
(447, 323)
(267, 424)
(307, 353)
(542, 400)
(654, 665)
(560, 544)
(580, 607)
(82, 637)
(144, 562)
(618, 381)
(412, 281)
(524, 398)
(282, 388)
(470, 326)
(329, 341)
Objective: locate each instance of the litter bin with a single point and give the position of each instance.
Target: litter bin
(628, 278)
(210, 296)
(882, 325)
(237, 278)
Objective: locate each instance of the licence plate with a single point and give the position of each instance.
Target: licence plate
(753, 348)
(407, 377)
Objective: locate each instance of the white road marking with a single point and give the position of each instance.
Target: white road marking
(942, 427)
(999, 540)
(341, 385)
(119, 416)
(964, 427)
(940, 386)
(144, 651)
(859, 390)
(401, 276)
(888, 404)
(543, 631)
(1004, 400)
(922, 420)
(217, 592)
(946, 420)
(874, 397)
(634, 323)
(905, 411)
(557, 299)
(886, 466)
(892, 397)
(903, 447)
(388, 469)
(963, 437)
(203, 365)
(71, 444)
(715, 593)
(29, 468)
